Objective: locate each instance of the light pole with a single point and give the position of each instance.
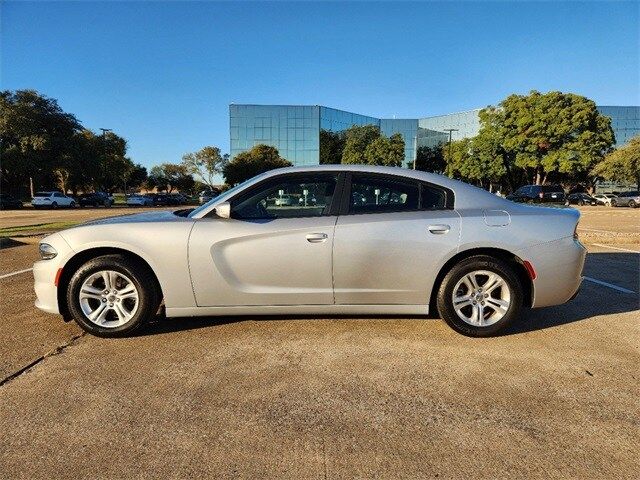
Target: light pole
(450, 130)
(104, 149)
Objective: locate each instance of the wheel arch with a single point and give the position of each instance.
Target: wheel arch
(505, 255)
(72, 265)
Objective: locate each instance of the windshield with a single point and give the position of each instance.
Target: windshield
(221, 198)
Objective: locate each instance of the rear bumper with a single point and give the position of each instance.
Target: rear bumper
(558, 267)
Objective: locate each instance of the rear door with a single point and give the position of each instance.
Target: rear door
(390, 239)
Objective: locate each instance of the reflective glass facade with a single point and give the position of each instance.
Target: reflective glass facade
(625, 122)
(295, 129)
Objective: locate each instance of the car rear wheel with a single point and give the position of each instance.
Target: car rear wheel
(480, 296)
(72, 204)
(54, 205)
(632, 204)
(112, 295)
(613, 203)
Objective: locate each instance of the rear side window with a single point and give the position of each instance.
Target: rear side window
(432, 198)
(378, 194)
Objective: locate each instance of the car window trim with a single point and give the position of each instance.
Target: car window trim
(346, 196)
(335, 200)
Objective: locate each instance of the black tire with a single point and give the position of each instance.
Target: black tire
(141, 276)
(632, 204)
(464, 267)
(581, 203)
(54, 205)
(614, 203)
(72, 205)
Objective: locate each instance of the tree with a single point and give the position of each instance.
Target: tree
(35, 134)
(430, 159)
(552, 134)
(207, 163)
(622, 165)
(245, 165)
(357, 139)
(466, 163)
(170, 176)
(137, 177)
(364, 144)
(331, 147)
(385, 151)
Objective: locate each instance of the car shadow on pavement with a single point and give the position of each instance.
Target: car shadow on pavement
(6, 242)
(620, 269)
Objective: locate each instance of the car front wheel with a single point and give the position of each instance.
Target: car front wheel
(480, 296)
(112, 295)
(632, 204)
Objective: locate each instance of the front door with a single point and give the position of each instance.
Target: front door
(274, 250)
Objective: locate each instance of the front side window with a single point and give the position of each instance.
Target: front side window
(371, 194)
(294, 196)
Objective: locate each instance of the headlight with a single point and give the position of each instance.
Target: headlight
(47, 252)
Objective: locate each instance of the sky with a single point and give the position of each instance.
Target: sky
(162, 74)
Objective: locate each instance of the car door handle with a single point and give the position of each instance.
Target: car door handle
(317, 237)
(439, 229)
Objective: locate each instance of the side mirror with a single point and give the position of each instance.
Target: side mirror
(223, 210)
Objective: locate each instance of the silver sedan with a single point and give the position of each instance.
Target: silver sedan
(376, 240)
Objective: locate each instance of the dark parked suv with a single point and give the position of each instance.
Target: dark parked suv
(7, 202)
(95, 199)
(538, 194)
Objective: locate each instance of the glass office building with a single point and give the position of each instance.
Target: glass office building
(295, 130)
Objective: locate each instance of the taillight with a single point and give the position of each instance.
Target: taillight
(541, 195)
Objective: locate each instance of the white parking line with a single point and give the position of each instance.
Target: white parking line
(615, 248)
(6, 275)
(609, 285)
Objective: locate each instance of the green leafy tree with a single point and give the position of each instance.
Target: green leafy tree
(364, 144)
(430, 159)
(169, 177)
(385, 151)
(35, 135)
(621, 165)
(245, 165)
(357, 139)
(137, 177)
(553, 134)
(207, 163)
(331, 147)
(466, 163)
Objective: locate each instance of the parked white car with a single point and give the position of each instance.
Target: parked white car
(137, 200)
(378, 241)
(52, 200)
(604, 198)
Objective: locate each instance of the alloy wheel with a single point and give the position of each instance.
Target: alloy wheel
(108, 298)
(481, 298)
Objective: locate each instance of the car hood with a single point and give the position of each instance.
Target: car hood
(146, 217)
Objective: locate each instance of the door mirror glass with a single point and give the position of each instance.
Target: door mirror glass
(223, 210)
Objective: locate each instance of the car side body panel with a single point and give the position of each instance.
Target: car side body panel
(392, 258)
(285, 261)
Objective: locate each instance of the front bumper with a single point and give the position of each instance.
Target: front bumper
(45, 272)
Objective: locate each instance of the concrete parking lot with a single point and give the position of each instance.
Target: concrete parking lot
(557, 396)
